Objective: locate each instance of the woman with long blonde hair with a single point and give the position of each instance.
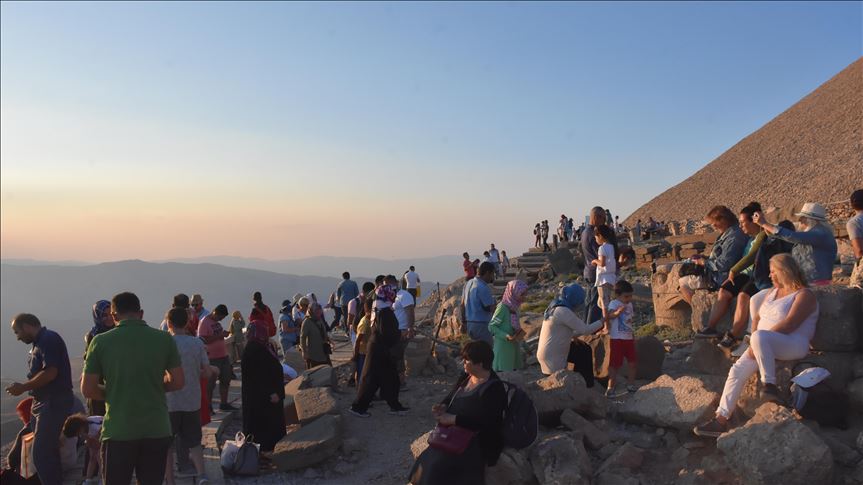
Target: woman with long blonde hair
(783, 324)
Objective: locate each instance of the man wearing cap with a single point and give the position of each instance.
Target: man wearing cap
(814, 245)
(212, 333)
(287, 329)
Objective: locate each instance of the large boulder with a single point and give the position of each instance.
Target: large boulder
(309, 445)
(670, 403)
(594, 437)
(512, 468)
(560, 459)
(600, 346)
(750, 398)
(417, 353)
(320, 376)
(855, 395)
(702, 305)
(670, 308)
(840, 365)
(626, 457)
(651, 356)
(707, 358)
(564, 390)
(774, 447)
(563, 262)
(314, 402)
(840, 319)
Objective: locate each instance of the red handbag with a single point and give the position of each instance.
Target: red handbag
(451, 439)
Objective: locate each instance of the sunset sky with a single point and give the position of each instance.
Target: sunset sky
(287, 130)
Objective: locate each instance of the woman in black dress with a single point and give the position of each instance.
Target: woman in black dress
(263, 389)
(476, 403)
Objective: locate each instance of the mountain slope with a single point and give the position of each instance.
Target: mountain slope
(811, 152)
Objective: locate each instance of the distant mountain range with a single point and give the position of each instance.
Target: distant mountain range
(62, 296)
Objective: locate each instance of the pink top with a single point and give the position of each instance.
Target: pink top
(218, 348)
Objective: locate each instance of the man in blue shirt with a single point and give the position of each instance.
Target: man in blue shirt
(50, 384)
(346, 291)
(478, 303)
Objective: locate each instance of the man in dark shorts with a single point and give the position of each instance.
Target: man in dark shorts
(139, 364)
(213, 335)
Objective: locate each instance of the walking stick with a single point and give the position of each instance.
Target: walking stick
(437, 331)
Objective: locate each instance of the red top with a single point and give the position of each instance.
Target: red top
(265, 316)
(469, 269)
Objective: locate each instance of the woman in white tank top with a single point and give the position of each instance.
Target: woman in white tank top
(783, 323)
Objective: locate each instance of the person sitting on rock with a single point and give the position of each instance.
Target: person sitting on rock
(557, 337)
(739, 281)
(815, 247)
(476, 404)
(783, 320)
(726, 251)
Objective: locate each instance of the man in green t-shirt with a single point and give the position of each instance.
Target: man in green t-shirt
(139, 364)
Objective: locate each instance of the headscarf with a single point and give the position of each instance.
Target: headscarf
(257, 332)
(100, 309)
(571, 296)
(385, 296)
(513, 297)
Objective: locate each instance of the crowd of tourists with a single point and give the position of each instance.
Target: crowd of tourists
(149, 391)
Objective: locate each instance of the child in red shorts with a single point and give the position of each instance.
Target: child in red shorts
(618, 324)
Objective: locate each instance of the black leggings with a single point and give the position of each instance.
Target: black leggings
(581, 356)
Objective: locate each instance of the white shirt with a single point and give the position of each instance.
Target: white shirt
(608, 273)
(413, 279)
(555, 335)
(493, 256)
(621, 327)
(403, 301)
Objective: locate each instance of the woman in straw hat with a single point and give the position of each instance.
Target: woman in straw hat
(814, 245)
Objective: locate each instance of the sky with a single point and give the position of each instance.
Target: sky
(155, 130)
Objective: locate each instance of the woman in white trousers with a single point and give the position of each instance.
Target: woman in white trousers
(783, 324)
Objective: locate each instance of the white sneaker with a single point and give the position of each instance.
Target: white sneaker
(741, 349)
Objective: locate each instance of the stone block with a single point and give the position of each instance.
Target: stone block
(774, 447)
(314, 402)
(670, 403)
(600, 345)
(512, 468)
(669, 307)
(309, 445)
(564, 390)
(320, 376)
(417, 353)
(702, 305)
(707, 358)
(651, 355)
(560, 459)
(594, 437)
(839, 321)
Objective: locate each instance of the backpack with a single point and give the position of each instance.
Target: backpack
(520, 419)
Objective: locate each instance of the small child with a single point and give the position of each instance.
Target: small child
(606, 266)
(89, 428)
(618, 323)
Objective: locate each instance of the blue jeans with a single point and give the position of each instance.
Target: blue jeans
(592, 312)
(479, 331)
(47, 423)
(287, 344)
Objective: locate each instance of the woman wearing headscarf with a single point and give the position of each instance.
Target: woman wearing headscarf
(262, 313)
(314, 341)
(263, 388)
(102, 322)
(560, 327)
(379, 368)
(506, 329)
(814, 245)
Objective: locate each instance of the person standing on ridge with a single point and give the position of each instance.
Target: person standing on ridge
(139, 365)
(537, 235)
(543, 229)
(478, 304)
(345, 292)
(50, 384)
(263, 313)
(212, 333)
(412, 281)
(469, 268)
(494, 258)
(404, 309)
(198, 305)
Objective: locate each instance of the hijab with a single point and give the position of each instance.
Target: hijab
(257, 332)
(385, 296)
(100, 309)
(571, 296)
(513, 298)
